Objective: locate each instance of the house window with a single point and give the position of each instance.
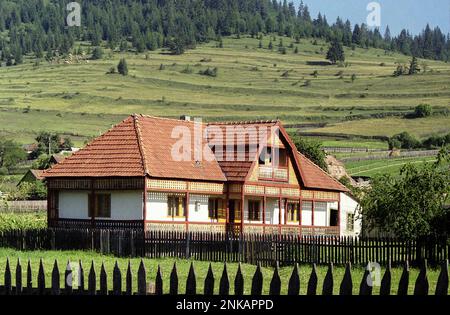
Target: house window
(293, 212)
(216, 209)
(176, 206)
(265, 158)
(350, 222)
(253, 210)
(100, 205)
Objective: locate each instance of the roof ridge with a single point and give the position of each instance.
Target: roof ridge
(165, 118)
(323, 171)
(245, 122)
(140, 143)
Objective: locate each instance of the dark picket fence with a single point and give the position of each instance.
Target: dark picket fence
(144, 287)
(266, 250)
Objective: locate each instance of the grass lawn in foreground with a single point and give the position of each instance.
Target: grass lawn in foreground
(201, 268)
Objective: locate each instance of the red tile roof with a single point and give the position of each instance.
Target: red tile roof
(137, 146)
(115, 153)
(313, 177)
(142, 145)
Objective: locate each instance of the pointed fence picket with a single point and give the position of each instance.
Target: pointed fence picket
(421, 286)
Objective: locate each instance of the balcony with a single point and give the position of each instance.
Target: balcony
(274, 174)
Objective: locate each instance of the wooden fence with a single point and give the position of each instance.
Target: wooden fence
(23, 206)
(143, 287)
(266, 250)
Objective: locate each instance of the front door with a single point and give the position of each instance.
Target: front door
(231, 210)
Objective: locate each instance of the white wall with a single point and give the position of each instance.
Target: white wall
(73, 204)
(202, 215)
(125, 205)
(349, 205)
(321, 216)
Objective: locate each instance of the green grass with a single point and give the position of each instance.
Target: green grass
(373, 168)
(201, 268)
(81, 100)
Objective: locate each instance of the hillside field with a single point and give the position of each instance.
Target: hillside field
(81, 100)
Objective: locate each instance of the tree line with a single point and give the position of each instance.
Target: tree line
(38, 27)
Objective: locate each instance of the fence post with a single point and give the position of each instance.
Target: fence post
(347, 284)
(421, 287)
(174, 280)
(29, 278)
(224, 285)
(129, 280)
(55, 279)
(141, 279)
(209, 282)
(92, 280)
(365, 288)
(8, 278)
(68, 279)
(328, 281)
(191, 282)
(312, 282)
(442, 283)
(294, 282)
(41, 278)
(117, 280)
(275, 283)
(257, 281)
(18, 277)
(103, 281)
(239, 282)
(385, 288)
(159, 282)
(80, 277)
(404, 280)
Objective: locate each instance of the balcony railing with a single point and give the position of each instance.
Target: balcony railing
(270, 173)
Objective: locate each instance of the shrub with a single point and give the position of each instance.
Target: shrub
(97, 53)
(403, 141)
(422, 110)
(211, 72)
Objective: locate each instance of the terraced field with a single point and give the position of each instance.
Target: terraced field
(81, 100)
(383, 166)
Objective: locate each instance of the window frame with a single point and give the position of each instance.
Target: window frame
(175, 213)
(254, 210)
(296, 212)
(350, 222)
(94, 210)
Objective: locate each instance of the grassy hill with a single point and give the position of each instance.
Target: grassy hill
(81, 100)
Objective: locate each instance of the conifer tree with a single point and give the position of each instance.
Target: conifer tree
(122, 67)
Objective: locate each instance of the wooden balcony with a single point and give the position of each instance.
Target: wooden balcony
(273, 174)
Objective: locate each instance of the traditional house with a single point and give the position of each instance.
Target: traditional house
(146, 172)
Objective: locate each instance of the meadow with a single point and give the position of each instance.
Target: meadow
(392, 166)
(201, 268)
(81, 100)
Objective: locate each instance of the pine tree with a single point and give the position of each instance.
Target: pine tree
(336, 52)
(413, 66)
(122, 67)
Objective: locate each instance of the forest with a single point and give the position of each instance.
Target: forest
(38, 27)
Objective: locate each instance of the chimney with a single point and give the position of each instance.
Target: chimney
(185, 117)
